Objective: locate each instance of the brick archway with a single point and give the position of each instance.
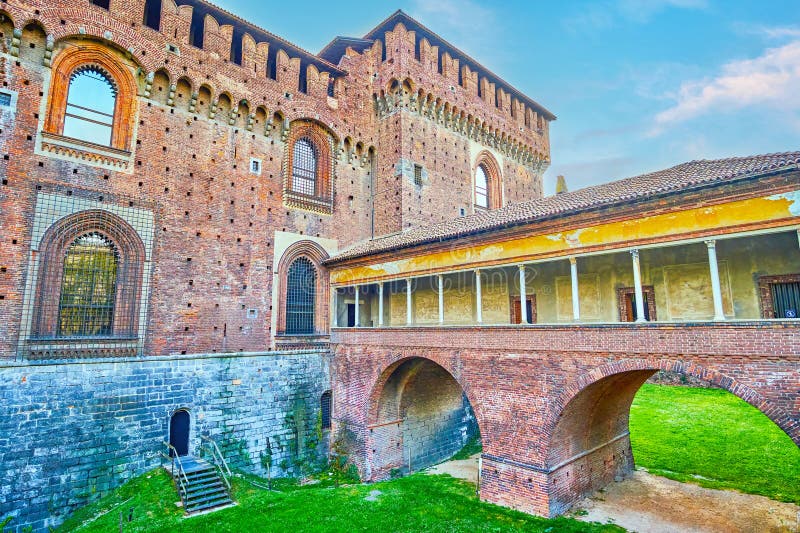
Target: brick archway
(715, 378)
(408, 389)
(494, 178)
(316, 254)
(587, 432)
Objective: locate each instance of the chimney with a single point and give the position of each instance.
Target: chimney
(561, 185)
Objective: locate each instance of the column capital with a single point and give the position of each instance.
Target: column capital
(711, 243)
(521, 267)
(635, 252)
(573, 260)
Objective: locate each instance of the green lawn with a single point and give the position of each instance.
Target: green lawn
(415, 503)
(705, 436)
(713, 438)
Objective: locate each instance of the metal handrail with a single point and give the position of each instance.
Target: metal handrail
(216, 455)
(182, 479)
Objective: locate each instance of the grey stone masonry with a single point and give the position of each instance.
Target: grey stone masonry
(70, 431)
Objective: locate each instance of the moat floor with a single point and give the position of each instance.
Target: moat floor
(648, 503)
(653, 504)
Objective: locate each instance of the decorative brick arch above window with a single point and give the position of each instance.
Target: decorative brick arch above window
(493, 192)
(130, 259)
(96, 56)
(314, 253)
(308, 184)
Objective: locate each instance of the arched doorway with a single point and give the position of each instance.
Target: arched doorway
(179, 424)
(421, 416)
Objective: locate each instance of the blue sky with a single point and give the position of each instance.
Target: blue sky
(637, 85)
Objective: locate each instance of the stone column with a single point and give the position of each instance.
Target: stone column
(440, 278)
(478, 297)
(523, 309)
(334, 307)
(576, 303)
(358, 305)
(408, 301)
(637, 285)
(716, 290)
(380, 304)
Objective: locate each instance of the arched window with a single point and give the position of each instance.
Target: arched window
(301, 291)
(325, 407)
(481, 188)
(91, 100)
(304, 167)
(488, 183)
(89, 279)
(88, 288)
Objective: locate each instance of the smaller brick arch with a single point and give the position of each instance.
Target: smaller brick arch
(414, 406)
(94, 54)
(316, 254)
(383, 375)
(494, 178)
(52, 249)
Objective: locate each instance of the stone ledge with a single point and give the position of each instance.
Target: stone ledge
(52, 144)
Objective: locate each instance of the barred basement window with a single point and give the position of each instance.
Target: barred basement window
(418, 175)
(785, 299)
(301, 286)
(91, 100)
(88, 288)
(304, 167)
(325, 406)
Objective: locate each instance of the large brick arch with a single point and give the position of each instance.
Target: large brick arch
(572, 389)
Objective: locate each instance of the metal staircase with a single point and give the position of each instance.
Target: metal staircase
(202, 485)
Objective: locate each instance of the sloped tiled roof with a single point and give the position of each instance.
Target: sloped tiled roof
(680, 177)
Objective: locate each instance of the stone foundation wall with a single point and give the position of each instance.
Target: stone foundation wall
(72, 431)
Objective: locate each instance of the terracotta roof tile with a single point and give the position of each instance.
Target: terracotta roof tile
(683, 176)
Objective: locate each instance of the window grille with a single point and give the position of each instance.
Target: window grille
(301, 286)
(5, 99)
(91, 100)
(785, 299)
(481, 188)
(304, 167)
(88, 288)
(325, 403)
(418, 175)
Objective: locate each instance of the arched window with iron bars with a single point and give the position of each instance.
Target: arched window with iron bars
(304, 167)
(301, 288)
(88, 288)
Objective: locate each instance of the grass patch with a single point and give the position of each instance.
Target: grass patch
(472, 447)
(415, 503)
(714, 439)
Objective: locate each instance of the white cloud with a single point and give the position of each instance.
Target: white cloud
(771, 80)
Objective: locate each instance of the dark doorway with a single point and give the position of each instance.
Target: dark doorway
(627, 303)
(530, 307)
(351, 315)
(179, 433)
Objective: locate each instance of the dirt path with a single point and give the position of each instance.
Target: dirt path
(647, 503)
